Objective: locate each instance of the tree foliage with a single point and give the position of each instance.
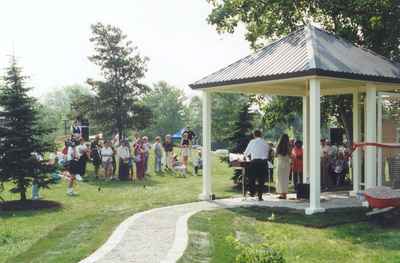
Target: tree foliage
(241, 134)
(193, 116)
(367, 23)
(23, 135)
(226, 110)
(168, 110)
(116, 102)
(60, 104)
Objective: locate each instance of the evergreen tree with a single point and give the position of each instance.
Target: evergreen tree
(241, 134)
(21, 133)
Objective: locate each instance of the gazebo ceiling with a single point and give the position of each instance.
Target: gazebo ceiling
(284, 66)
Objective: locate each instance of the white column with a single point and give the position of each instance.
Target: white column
(306, 139)
(370, 136)
(315, 152)
(379, 132)
(356, 139)
(206, 149)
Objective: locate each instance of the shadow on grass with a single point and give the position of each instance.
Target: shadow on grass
(149, 181)
(66, 236)
(29, 212)
(350, 224)
(332, 217)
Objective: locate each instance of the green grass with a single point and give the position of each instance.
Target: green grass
(85, 221)
(336, 236)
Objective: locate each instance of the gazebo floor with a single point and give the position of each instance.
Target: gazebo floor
(329, 200)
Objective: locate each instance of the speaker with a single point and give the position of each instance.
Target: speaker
(336, 135)
(303, 191)
(85, 133)
(85, 129)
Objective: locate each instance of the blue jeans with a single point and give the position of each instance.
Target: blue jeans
(158, 163)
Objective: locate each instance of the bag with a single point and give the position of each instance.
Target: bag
(138, 158)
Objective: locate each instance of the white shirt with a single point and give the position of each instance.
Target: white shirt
(81, 149)
(146, 147)
(257, 149)
(72, 153)
(106, 154)
(123, 152)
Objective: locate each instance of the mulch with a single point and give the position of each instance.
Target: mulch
(28, 205)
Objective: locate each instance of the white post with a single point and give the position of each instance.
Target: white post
(206, 149)
(370, 136)
(306, 139)
(379, 131)
(356, 139)
(315, 152)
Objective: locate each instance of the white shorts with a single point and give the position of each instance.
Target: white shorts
(185, 152)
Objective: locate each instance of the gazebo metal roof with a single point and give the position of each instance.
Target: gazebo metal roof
(308, 51)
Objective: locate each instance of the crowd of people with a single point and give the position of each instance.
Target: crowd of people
(123, 159)
(288, 158)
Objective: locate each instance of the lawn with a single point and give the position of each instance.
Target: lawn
(336, 236)
(85, 221)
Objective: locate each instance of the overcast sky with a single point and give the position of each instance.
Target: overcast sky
(51, 39)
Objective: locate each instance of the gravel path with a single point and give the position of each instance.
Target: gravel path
(160, 235)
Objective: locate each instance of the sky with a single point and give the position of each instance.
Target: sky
(51, 39)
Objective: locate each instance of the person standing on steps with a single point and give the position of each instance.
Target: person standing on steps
(257, 150)
(283, 171)
(297, 162)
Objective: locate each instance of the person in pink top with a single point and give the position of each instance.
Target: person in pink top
(139, 159)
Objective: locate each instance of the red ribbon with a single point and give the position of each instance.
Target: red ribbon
(382, 145)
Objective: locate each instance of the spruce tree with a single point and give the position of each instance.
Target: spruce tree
(21, 135)
(241, 134)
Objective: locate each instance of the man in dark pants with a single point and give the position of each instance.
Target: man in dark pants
(83, 156)
(257, 150)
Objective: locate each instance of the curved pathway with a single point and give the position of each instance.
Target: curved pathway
(160, 235)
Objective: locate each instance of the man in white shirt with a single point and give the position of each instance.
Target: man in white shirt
(257, 151)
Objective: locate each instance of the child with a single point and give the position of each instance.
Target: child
(185, 148)
(72, 168)
(158, 155)
(178, 166)
(197, 163)
(339, 168)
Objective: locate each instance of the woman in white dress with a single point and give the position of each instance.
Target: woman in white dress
(283, 160)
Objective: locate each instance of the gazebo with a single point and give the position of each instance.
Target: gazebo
(308, 63)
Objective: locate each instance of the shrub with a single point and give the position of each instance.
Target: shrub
(255, 253)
